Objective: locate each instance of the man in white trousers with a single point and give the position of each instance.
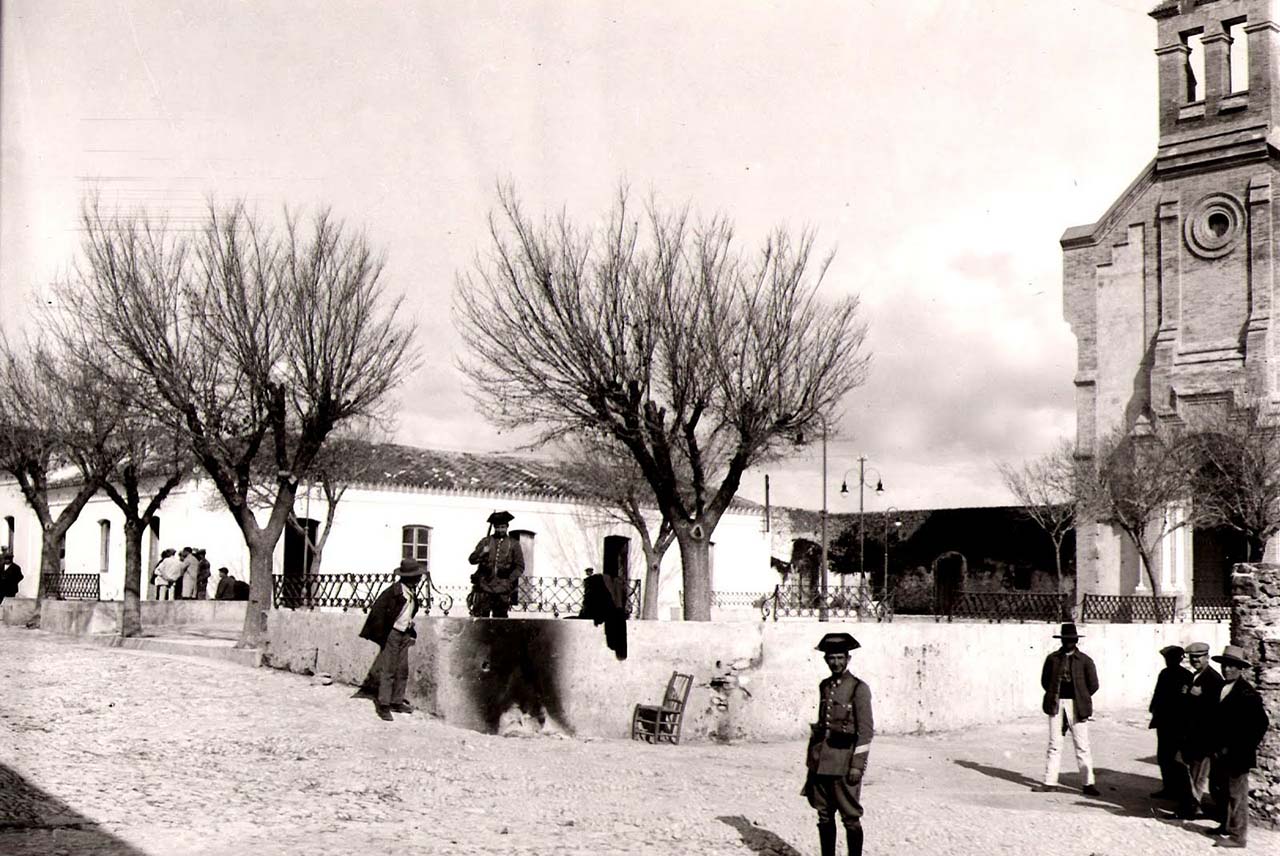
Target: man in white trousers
(1070, 680)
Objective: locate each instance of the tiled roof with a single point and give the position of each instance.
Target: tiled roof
(431, 469)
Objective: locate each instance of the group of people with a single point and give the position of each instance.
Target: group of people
(1208, 727)
(184, 575)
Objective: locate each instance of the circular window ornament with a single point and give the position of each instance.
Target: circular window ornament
(1215, 225)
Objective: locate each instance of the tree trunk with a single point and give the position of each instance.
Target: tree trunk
(1155, 584)
(1066, 614)
(261, 552)
(652, 573)
(131, 611)
(50, 562)
(695, 559)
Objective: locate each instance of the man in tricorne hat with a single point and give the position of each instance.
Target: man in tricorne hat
(1197, 745)
(839, 746)
(1069, 680)
(1169, 719)
(390, 625)
(500, 564)
(1241, 723)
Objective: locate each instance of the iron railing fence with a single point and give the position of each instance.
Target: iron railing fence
(71, 586)
(1128, 608)
(1208, 608)
(558, 596)
(856, 602)
(349, 591)
(739, 599)
(1012, 606)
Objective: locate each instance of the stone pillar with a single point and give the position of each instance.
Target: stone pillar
(1255, 627)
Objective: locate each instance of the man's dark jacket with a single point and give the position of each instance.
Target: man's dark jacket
(9, 579)
(383, 615)
(1168, 706)
(1241, 724)
(1084, 677)
(1201, 710)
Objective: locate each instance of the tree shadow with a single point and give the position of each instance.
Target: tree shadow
(758, 839)
(34, 821)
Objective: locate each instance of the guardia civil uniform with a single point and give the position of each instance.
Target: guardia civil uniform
(839, 747)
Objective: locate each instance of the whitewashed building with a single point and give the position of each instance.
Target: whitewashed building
(408, 501)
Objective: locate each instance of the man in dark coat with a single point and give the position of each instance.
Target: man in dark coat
(839, 746)
(226, 589)
(10, 574)
(1169, 719)
(1069, 680)
(1240, 724)
(1197, 746)
(500, 563)
(390, 626)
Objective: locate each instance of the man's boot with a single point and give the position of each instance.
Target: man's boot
(854, 836)
(827, 838)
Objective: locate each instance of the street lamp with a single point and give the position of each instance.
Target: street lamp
(862, 483)
(897, 525)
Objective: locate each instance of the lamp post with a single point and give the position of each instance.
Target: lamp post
(862, 483)
(822, 572)
(897, 524)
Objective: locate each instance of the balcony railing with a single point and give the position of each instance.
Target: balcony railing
(71, 586)
(1012, 606)
(1128, 608)
(349, 591)
(1205, 608)
(856, 602)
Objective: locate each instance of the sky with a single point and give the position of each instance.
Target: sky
(939, 149)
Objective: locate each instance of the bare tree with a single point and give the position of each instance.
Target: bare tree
(1138, 478)
(1049, 490)
(1236, 476)
(254, 340)
(611, 474)
(53, 418)
(665, 337)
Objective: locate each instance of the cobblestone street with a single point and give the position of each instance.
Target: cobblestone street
(111, 751)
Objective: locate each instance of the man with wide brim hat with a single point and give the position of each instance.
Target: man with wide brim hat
(1241, 723)
(839, 747)
(390, 626)
(1168, 717)
(1197, 743)
(1070, 680)
(499, 563)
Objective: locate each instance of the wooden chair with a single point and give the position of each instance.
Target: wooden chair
(656, 723)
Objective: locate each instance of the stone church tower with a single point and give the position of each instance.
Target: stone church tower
(1170, 294)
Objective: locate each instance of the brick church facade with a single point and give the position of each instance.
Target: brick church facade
(1171, 293)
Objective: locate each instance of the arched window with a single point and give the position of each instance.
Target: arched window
(415, 543)
(104, 549)
(8, 525)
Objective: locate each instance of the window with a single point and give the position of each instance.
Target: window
(8, 525)
(1238, 55)
(104, 550)
(415, 543)
(1195, 65)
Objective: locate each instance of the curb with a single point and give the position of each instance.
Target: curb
(251, 657)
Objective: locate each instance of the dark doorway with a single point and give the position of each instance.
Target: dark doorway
(949, 571)
(617, 561)
(298, 555)
(1214, 551)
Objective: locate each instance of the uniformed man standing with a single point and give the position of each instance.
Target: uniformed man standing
(839, 746)
(499, 564)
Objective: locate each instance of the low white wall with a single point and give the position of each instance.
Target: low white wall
(79, 617)
(924, 676)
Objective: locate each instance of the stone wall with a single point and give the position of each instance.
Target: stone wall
(79, 617)
(1255, 627)
(753, 680)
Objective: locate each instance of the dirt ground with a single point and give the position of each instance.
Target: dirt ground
(111, 751)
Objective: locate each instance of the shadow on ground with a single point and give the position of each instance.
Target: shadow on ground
(758, 839)
(1122, 793)
(34, 821)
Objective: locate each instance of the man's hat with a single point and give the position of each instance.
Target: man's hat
(1171, 649)
(410, 568)
(1068, 632)
(500, 517)
(1233, 655)
(837, 643)
(1198, 648)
